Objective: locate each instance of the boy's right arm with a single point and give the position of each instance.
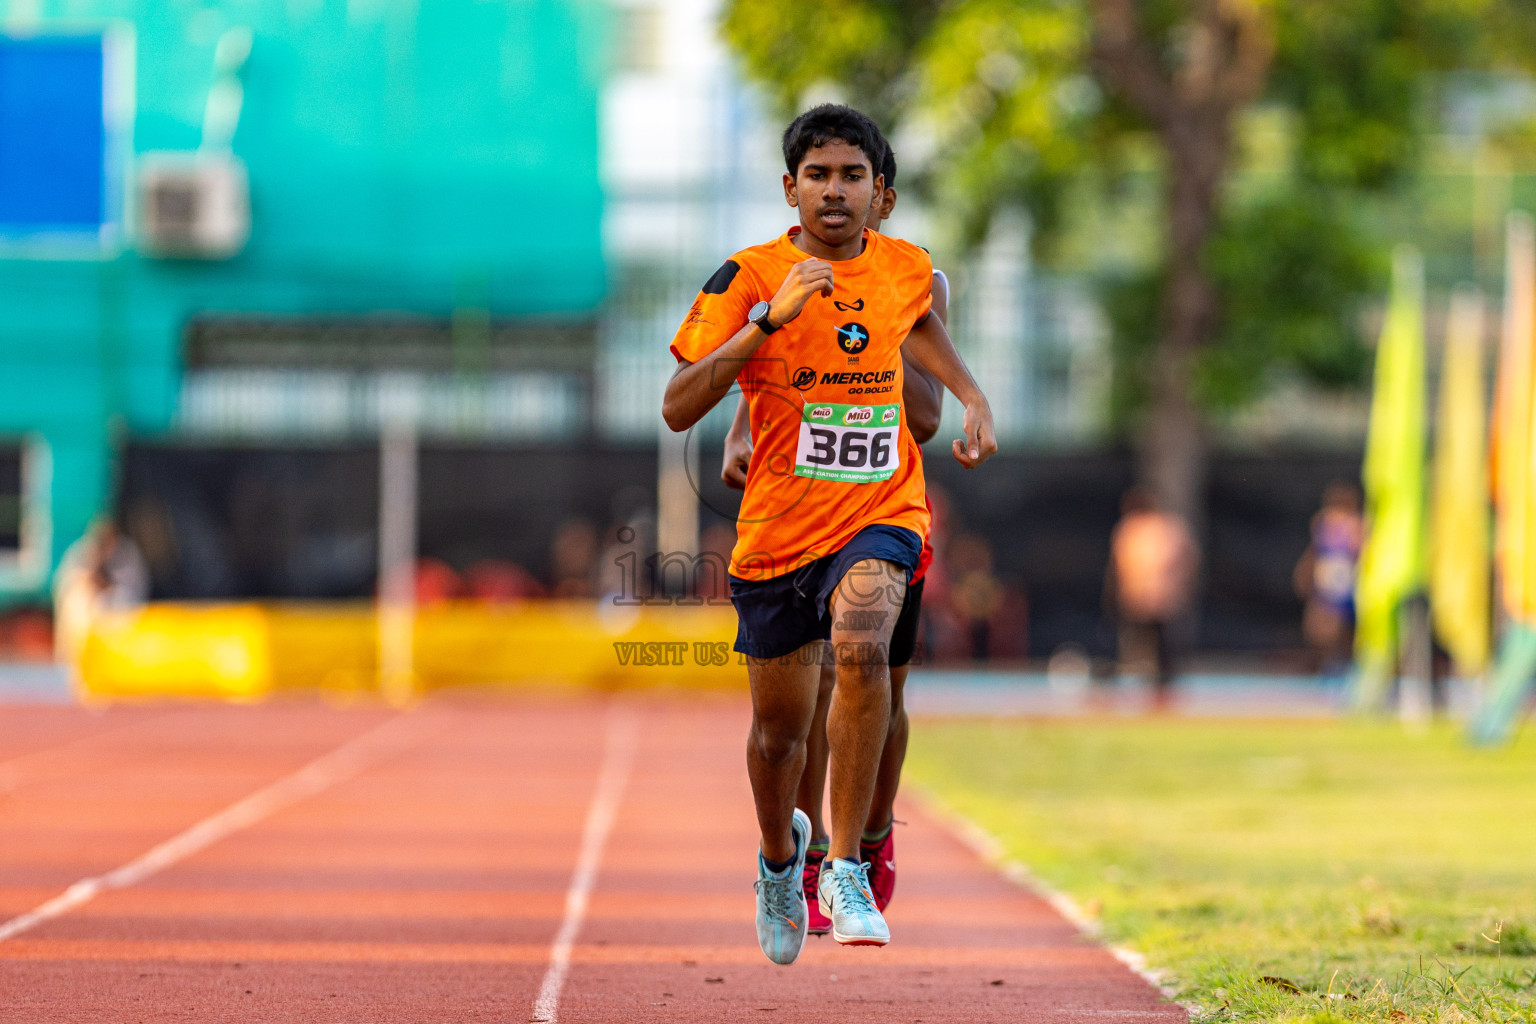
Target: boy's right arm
(738, 449)
(698, 386)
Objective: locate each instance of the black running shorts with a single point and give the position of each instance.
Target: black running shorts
(904, 636)
(782, 614)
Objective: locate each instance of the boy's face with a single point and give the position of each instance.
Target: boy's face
(833, 191)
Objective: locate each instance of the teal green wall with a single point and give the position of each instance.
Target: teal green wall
(404, 155)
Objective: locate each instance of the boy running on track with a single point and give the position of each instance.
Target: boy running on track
(921, 397)
(813, 326)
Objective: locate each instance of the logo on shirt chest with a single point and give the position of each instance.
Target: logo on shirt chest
(853, 338)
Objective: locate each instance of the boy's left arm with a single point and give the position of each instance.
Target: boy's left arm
(922, 397)
(921, 393)
(929, 345)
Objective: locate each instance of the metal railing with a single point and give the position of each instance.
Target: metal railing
(1037, 344)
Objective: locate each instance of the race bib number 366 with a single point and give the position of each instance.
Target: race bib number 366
(857, 444)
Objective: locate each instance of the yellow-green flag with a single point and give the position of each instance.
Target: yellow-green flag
(1392, 562)
(1512, 423)
(1459, 558)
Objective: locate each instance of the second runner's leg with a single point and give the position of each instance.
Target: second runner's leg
(864, 607)
(812, 792)
(877, 847)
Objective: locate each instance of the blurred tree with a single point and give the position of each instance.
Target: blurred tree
(1267, 123)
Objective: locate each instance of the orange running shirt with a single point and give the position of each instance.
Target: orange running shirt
(831, 452)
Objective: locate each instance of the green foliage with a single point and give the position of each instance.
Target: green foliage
(1352, 71)
(1000, 85)
(1002, 88)
(1009, 97)
(865, 46)
(1330, 871)
(1131, 304)
(1291, 271)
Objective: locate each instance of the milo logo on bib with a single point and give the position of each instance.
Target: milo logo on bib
(844, 443)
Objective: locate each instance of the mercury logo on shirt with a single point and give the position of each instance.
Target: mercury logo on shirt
(857, 377)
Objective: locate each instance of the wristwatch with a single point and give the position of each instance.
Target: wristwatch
(759, 315)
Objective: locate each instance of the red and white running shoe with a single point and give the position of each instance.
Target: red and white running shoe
(817, 923)
(881, 859)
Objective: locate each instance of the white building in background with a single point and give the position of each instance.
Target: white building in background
(691, 165)
(692, 169)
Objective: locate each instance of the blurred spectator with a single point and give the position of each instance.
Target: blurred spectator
(498, 581)
(431, 581)
(1008, 629)
(1325, 577)
(436, 582)
(1152, 565)
(939, 630)
(624, 568)
(969, 613)
(975, 593)
(101, 571)
(148, 521)
(573, 560)
(26, 634)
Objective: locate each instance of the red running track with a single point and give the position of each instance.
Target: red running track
(431, 869)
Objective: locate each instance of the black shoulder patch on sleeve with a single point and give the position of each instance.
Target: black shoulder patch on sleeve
(722, 278)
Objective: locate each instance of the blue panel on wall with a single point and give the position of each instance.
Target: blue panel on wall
(52, 139)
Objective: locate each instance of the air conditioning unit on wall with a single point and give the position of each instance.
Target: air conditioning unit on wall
(193, 205)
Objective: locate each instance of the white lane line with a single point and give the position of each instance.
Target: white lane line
(320, 774)
(991, 850)
(618, 755)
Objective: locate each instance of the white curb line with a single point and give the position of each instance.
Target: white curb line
(990, 849)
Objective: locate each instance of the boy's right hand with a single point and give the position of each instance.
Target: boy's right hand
(804, 279)
(738, 453)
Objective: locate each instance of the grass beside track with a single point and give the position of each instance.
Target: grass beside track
(1281, 871)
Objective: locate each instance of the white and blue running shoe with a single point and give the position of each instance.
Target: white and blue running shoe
(845, 897)
(781, 900)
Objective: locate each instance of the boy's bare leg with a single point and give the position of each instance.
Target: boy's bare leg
(813, 781)
(783, 704)
(883, 804)
(864, 608)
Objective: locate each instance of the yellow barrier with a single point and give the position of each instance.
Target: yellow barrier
(178, 651)
(249, 651)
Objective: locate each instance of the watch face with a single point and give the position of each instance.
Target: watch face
(758, 311)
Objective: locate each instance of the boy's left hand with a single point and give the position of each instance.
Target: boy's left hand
(980, 440)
